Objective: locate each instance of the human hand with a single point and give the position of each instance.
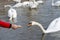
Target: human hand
(14, 26)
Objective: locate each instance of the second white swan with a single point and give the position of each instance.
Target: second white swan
(12, 14)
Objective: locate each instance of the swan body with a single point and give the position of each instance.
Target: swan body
(12, 14)
(53, 27)
(56, 3)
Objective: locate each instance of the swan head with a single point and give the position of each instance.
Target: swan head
(32, 23)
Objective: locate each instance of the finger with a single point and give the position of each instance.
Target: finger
(19, 26)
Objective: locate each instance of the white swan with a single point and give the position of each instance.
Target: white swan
(53, 27)
(12, 14)
(57, 3)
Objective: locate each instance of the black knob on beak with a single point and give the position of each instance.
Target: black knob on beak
(29, 25)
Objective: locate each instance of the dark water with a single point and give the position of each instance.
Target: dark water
(44, 14)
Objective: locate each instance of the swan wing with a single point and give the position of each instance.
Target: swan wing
(54, 26)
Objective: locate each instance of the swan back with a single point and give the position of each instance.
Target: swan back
(54, 26)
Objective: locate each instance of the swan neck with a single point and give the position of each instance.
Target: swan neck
(41, 27)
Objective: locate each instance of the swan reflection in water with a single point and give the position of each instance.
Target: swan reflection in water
(43, 36)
